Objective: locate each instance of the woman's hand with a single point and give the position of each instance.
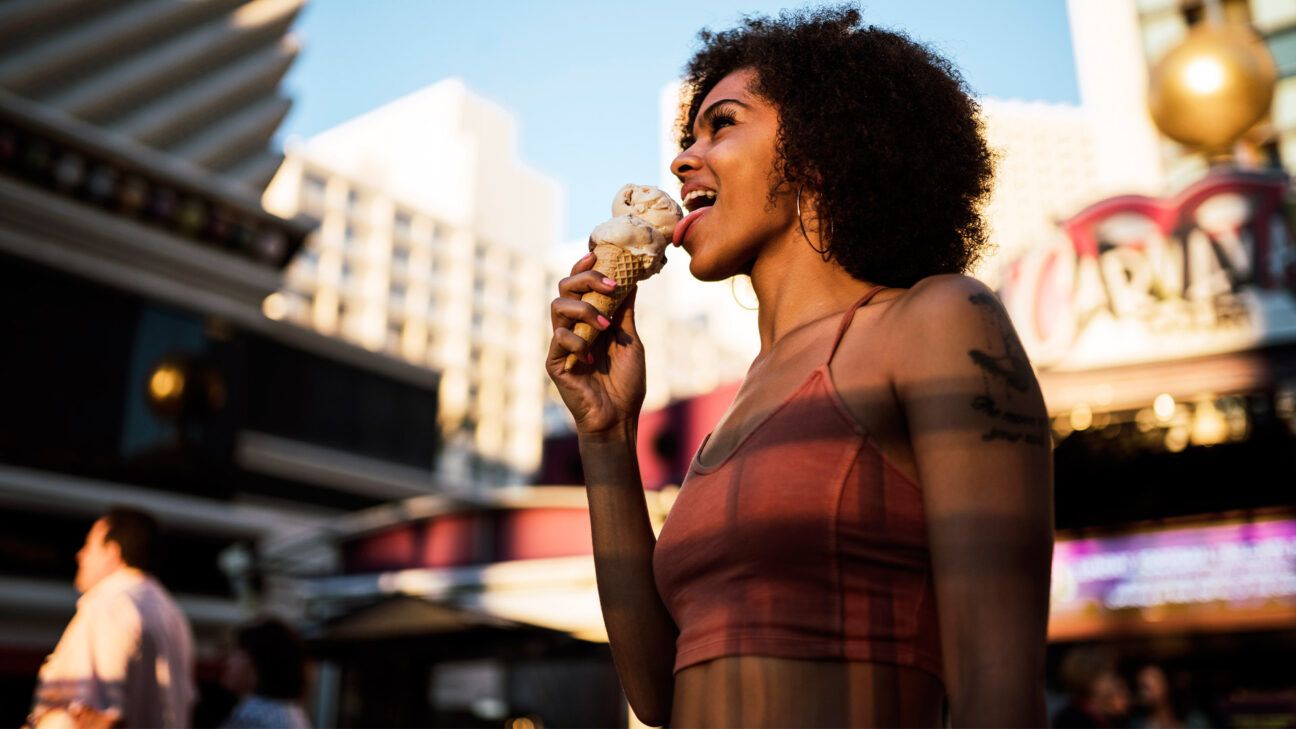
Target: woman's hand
(605, 389)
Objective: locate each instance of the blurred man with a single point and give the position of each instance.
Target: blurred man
(126, 659)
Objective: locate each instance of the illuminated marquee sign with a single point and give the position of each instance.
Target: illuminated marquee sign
(1142, 279)
(1221, 577)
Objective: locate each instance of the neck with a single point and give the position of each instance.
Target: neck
(795, 288)
(122, 570)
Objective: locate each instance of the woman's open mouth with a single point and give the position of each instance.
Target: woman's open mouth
(698, 202)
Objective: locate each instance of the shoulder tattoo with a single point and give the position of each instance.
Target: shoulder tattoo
(1007, 380)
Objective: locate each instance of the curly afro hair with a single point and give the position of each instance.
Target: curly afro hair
(882, 130)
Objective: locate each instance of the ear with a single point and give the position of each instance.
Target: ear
(113, 551)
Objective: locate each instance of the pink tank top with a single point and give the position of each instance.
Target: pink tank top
(803, 543)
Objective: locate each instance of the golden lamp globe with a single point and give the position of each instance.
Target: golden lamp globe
(1214, 86)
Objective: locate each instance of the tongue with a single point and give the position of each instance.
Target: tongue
(681, 228)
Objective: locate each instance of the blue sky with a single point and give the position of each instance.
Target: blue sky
(552, 63)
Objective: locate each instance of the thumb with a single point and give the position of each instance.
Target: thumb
(624, 318)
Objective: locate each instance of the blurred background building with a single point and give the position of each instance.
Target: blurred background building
(135, 256)
(432, 248)
(198, 81)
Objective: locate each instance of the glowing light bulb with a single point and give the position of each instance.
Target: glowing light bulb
(1081, 418)
(166, 383)
(1164, 407)
(1204, 75)
(274, 306)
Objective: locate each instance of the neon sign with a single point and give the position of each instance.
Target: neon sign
(1139, 279)
(1206, 574)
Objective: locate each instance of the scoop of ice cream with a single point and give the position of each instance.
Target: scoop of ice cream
(629, 232)
(649, 203)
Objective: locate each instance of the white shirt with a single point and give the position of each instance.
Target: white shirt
(127, 650)
(259, 712)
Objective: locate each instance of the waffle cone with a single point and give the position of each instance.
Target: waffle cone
(627, 269)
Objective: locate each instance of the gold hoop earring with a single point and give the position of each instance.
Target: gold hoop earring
(824, 252)
(734, 294)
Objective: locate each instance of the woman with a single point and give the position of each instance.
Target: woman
(1097, 694)
(866, 534)
(267, 670)
(1165, 706)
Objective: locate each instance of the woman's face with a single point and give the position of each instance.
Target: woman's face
(727, 174)
(1111, 695)
(1153, 688)
(239, 675)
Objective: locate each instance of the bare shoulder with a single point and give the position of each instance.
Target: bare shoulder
(945, 295)
(962, 354)
(944, 315)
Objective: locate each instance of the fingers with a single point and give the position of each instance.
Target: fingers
(582, 282)
(564, 343)
(567, 312)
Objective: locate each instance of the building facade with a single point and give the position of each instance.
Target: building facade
(142, 372)
(432, 249)
(196, 81)
(1046, 167)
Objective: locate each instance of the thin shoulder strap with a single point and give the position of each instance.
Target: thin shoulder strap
(847, 317)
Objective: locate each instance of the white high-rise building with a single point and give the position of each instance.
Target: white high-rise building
(432, 248)
(1046, 170)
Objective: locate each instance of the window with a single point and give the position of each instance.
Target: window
(398, 294)
(313, 186)
(403, 223)
(400, 255)
(308, 256)
(1283, 48)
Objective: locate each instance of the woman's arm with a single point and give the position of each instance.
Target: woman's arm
(980, 434)
(640, 630)
(604, 395)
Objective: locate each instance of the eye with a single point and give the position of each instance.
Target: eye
(721, 119)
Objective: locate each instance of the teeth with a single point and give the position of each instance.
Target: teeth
(699, 193)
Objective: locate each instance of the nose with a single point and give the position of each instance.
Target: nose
(686, 161)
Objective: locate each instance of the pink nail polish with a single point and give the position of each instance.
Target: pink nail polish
(589, 358)
(609, 281)
(603, 322)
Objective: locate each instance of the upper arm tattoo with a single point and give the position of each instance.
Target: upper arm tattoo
(1009, 382)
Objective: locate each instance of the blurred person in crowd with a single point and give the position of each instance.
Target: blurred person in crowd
(1098, 696)
(267, 670)
(126, 658)
(1165, 706)
(865, 538)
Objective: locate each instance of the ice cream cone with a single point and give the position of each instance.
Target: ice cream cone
(625, 267)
